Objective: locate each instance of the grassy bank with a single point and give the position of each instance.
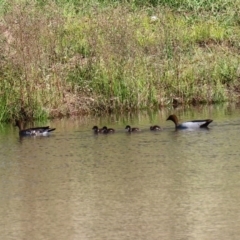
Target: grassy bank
(72, 57)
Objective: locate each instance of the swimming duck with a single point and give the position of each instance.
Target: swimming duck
(129, 129)
(97, 130)
(189, 124)
(108, 130)
(35, 131)
(155, 128)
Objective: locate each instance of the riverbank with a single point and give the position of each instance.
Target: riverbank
(77, 58)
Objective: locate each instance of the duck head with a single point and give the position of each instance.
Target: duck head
(128, 127)
(95, 128)
(173, 118)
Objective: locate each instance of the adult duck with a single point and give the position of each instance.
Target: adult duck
(155, 128)
(130, 129)
(189, 124)
(108, 130)
(35, 131)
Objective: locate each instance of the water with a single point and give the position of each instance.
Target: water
(147, 185)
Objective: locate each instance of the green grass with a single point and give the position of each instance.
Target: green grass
(65, 58)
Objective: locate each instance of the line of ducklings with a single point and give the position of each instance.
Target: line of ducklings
(128, 128)
(194, 124)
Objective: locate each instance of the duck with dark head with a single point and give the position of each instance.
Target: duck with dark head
(130, 129)
(108, 130)
(96, 129)
(103, 130)
(34, 131)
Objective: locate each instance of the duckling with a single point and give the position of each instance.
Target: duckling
(108, 130)
(129, 129)
(98, 130)
(155, 128)
(189, 124)
(35, 131)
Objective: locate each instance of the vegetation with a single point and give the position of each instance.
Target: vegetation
(69, 57)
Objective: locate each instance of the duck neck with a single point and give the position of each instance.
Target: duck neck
(19, 125)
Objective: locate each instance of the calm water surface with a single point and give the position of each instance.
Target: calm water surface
(148, 185)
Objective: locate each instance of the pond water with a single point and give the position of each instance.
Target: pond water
(147, 185)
